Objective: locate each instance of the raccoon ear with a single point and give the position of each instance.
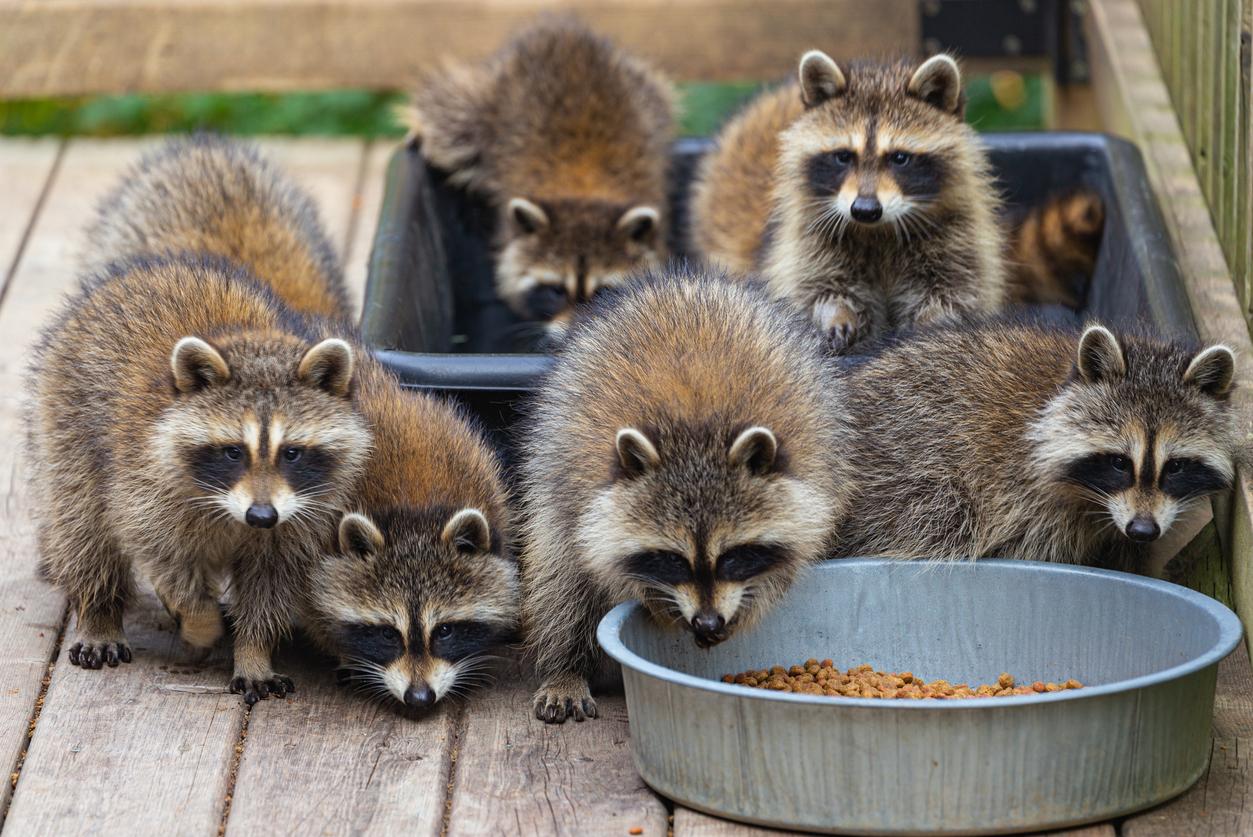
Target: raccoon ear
(636, 454)
(358, 536)
(640, 223)
(526, 217)
(329, 366)
(1100, 357)
(754, 449)
(468, 531)
(197, 365)
(1213, 370)
(938, 82)
(821, 78)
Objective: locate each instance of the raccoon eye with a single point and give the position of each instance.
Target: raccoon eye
(444, 631)
(843, 156)
(900, 159)
(1119, 463)
(1174, 466)
(740, 563)
(292, 454)
(659, 567)
(233, 452)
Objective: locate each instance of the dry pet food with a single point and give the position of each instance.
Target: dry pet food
(814, 677)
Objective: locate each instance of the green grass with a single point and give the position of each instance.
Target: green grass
(367, 113)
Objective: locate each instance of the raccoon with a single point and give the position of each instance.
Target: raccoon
(1019, 440)
(1053, 249)
(686, 450)
(186, 422)
(569, 137)
(422, 585)
(883, 209)
(208, 194)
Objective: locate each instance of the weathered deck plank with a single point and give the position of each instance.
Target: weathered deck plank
(117, 747)
(515, 775)
(30, 611)
(25, 166)
(329, 761)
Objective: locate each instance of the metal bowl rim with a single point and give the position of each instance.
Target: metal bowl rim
(1230, 632)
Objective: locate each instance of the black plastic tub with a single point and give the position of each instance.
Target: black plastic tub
(432, 315)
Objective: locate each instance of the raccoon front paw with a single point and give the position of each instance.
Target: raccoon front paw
(95, 654)
(255, 689)
(841, 323)
(564, 698)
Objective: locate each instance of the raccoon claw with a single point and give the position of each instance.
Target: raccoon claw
(96, 655)
(256, 690)
(552, 708)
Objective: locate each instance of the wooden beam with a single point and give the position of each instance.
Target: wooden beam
(1133, 101)
(70, 47)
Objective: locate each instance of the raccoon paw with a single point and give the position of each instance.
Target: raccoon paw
(839, 322)
(96, 654)
(255, 689)
(555, 702)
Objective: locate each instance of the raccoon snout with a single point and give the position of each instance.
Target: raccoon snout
(710, 628)
(1143, 529)
(419, 696)
(261, 516)
(866, 209)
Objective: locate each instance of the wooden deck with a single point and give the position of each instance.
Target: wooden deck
(159, 746)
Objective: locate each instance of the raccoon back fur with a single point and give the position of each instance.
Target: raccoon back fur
(422, 584)
(185, 421)
(883, 210)
(1025, 441)
(569, 137)
(1053, 249)
(685, 450)
(208, 194)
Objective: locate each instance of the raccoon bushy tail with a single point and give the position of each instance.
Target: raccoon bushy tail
(450, 118)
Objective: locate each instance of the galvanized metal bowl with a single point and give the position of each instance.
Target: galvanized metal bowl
(1137, 734)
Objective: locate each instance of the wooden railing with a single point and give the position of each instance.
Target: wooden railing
(1203, 48)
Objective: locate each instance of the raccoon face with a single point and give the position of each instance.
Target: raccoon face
(263, 431)
(416, 601)
(558, 254)
(1140, 431)
(876, 148)
(707, 528)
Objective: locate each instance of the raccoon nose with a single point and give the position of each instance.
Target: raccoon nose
(867, 209)
(419, 697)
(710, 628)
(261, 516)
(1143, 529)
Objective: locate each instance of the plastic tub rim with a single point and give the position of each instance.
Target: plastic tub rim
(1230, 633)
